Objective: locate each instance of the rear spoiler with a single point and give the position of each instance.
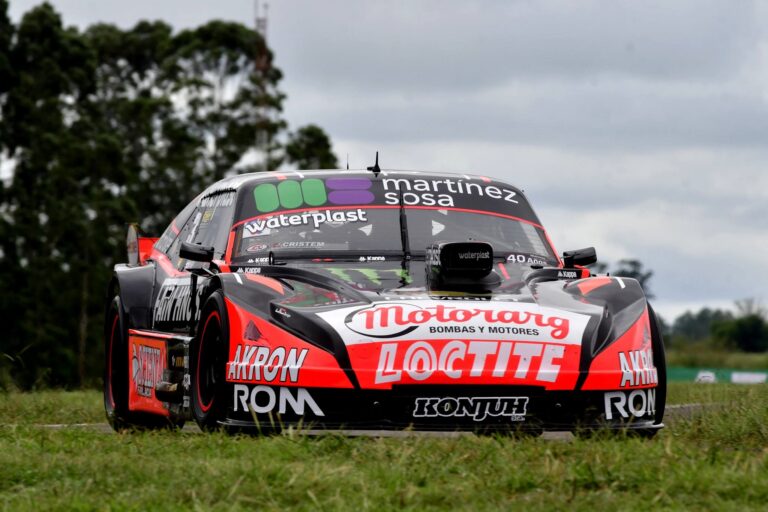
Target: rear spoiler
(139, 247)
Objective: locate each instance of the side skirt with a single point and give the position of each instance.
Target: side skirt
(158, 377)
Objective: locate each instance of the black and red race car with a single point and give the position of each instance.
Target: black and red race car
(374, 300)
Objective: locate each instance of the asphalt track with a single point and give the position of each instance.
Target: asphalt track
(672, 413)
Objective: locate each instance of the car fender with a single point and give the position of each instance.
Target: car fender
(135, 286)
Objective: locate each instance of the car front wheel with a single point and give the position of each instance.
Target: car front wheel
(209, 356)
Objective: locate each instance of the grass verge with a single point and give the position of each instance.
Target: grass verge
(716, 460)
(698, 356)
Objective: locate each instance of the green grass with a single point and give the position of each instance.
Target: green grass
(717, 460)
(51, 407)
(703, 356)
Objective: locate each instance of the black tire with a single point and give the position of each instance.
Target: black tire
(209, 356)
(660, 362)
(116, 377)
(115, 366)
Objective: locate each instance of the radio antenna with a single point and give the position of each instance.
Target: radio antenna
(375, 167)
(347, 161)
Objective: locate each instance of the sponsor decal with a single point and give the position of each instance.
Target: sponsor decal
(468, 360)
(249, 270)
(257, 363)
(415, 319)
(265, 399)
(625, 404)
(314, 218)
(292, 194)
(372, 258)
(172, 303)
(474, 255)
(218, 200)
(477, 408)
(207, 216)
(257, 248)
(526, 259)
(391, 320)
(147, 368)
(344, 191)
(440, 192)
(285, 245)
(282, 312)
(447, 342)
(637, 368)
(749, 377)
(298, 245)
(568, 274)
(146, 364)
(706, 376)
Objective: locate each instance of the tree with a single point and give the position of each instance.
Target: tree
(692, 327)
(6, 73)
(153, 164)
(191, 107)
(47, 201)
(231, 94)
(627, 268)
(748, 333)
(750, 306)
(310, 148)
(6, 36)
(105, 127)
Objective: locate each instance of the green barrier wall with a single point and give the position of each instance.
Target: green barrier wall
(682, 374)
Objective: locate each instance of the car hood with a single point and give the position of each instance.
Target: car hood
(539, 327)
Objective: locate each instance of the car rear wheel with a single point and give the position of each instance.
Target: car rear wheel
(116, 376)
(209, 356)
(115, 372)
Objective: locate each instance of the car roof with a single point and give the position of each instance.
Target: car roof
(238, 181)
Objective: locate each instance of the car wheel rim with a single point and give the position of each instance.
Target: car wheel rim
(206, 362)
(110, 387)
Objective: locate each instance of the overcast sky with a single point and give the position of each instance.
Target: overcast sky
(638, 127)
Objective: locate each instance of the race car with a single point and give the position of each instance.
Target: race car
(374, 299)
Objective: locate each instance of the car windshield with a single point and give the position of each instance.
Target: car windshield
(374, 230)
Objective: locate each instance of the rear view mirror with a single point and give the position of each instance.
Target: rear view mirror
(194, 252)
(582, 257)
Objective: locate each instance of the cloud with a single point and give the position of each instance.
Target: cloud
(637, 127)
(605, 115)
(465, 45)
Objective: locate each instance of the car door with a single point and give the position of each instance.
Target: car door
(208, 224)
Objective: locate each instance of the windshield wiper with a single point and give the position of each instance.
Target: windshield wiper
(406, 262)
(404, 229)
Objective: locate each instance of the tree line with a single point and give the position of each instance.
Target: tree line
(103, 126)
(745, 329)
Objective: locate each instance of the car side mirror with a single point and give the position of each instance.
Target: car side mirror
(583, 257)
(194, 252)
